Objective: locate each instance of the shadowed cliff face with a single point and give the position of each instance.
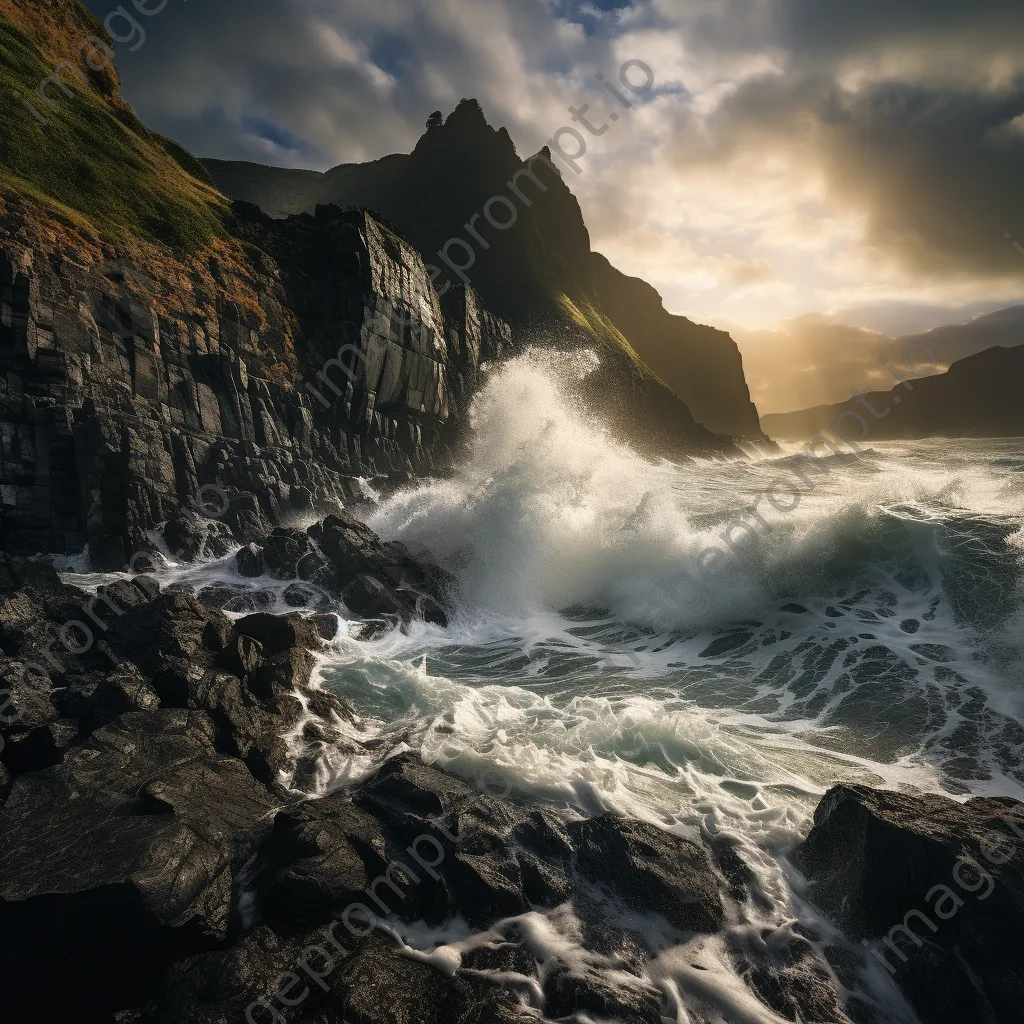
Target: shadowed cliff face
(127, 384)
(540, 274)
(700, 364)
(154, 338)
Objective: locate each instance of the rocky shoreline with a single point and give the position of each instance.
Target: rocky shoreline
(163, 861)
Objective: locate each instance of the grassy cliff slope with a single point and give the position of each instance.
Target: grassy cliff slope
(81, 150)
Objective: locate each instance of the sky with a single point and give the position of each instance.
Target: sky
(799, 166)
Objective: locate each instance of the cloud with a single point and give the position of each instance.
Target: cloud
(794, 155)
(817, 359)
(744, 273)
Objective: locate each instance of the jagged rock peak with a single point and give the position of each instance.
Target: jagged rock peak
(466, 127)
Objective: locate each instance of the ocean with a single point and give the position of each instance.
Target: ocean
(708, 646)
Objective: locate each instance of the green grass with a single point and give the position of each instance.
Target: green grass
(99, 162)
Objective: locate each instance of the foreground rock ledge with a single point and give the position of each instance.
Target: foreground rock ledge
(936, 886)
(157, 868)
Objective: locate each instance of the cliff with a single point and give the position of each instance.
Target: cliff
(700, 364)
(540, 275)
(156, 337)
(126, 385)
(979, 396)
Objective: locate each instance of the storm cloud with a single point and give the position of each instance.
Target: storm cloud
(795, 157)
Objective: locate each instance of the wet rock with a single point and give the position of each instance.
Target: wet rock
(244, 515)
(936, 885)
(34, 606)
(379, 578)
(405, 791)
(325, 625)
(169, 639)
(278, 633)
(133, 844)
(224, 985)
(219, 595)
(38, 581)
(348, 979)
(345, 558)
(190, 536)
(650, 870)
(284, 550)
(29, 693)
(369, 597)
(249, 600)
(314, 863)
(785, 972)
(377, 985)
(249, 561)
(242, 656)
(100, 696)
(64, 679)
(304, 595)
(288, 671)
(616, 998)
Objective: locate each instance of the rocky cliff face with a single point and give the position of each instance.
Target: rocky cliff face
(315, 352)
(155, 339)
(539, 275)
(700, 364)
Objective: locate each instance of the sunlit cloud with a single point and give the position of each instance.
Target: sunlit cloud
(794, 157)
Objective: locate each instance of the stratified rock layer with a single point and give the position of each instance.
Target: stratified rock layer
(125, 387)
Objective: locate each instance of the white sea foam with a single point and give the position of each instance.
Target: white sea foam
(870, 634)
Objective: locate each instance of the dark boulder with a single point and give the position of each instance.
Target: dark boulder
(279, 633)
(28, 696)
(190, 536)
(286, 552)
(595, 994)
(173, 640)
(314, 863)
(250, 600)
(369, 597)
(377, 985)
(379, 578)
(220, 595)
(241, 656)
(286, 672)
(651, 870)
(249, 561)
(61, 677)
(305, 595)
(133, 844)
(783, 969)
(937, 888)
(344, 558)
(318, 977)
